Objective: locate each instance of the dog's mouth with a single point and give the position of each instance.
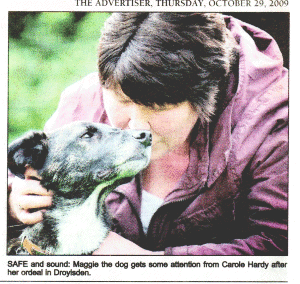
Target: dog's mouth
(104, 175)
(128, 168)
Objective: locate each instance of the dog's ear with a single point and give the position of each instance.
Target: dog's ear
(30, 149)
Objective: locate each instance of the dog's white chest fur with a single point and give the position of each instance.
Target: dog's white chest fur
(80, 230)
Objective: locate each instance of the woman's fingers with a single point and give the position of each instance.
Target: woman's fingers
(28, 202)
(30, 218)
(26, 197)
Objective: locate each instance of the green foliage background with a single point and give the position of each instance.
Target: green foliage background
(47, 52)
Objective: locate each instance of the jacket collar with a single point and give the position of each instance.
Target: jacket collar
(220, 128)
(132, 192)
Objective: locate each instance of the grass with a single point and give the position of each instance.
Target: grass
(52, 52)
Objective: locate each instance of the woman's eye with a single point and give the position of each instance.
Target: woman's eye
(159, 108)
(125, 102)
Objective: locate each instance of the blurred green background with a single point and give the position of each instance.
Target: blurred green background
(48, 51)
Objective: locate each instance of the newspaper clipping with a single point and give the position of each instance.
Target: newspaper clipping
(148, 141)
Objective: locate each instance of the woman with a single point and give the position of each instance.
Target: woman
(213, 92)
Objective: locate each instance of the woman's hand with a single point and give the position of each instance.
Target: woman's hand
(114, 244)
(28, 198)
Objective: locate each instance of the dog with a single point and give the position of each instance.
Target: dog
(81, 163)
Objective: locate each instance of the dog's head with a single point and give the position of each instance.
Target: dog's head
(81, 155)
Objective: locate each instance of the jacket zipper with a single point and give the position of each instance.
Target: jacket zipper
(163, 207)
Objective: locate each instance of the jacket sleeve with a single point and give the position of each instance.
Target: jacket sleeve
(267, 204)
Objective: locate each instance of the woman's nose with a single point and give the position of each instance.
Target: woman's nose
(138, 118)
(138, 124)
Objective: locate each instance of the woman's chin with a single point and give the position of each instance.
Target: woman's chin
(158, 153)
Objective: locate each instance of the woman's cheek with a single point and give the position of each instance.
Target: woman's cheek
(119, 120)
(162, 125)
(116, 114)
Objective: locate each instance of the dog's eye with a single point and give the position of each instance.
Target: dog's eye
(87, 135)
(89, 132)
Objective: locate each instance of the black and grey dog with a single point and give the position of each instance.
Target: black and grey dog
(81, 163)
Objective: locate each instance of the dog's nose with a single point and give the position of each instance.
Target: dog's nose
(143, 136)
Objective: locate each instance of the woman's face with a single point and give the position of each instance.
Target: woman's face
(170, 125)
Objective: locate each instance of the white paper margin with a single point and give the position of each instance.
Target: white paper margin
(204, 275)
